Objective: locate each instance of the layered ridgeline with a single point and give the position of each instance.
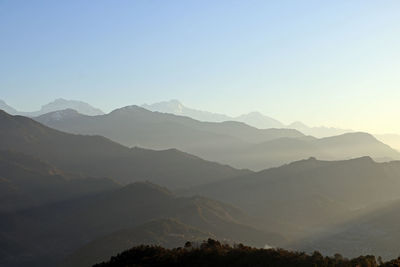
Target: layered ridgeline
(233, 143)
(255, 119)
(44, 236)
(258, 120)
(27, 182)
(54, 202)
(58, 104)
(99, 157)
(307, 196)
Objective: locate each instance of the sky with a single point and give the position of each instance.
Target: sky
(333, 63)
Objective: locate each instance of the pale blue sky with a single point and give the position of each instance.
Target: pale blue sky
(333, 63)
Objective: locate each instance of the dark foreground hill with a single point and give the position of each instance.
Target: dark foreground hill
(97, 156)
(213, 253)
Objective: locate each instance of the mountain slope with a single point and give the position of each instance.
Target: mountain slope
(260, 121)
(136, 125)
(99, 157)
(168, 233)
(27, 182)
(319, 132)
(49, 233)
(309, 193)
(392, 139)
(61, 104)
(177, 108)
(376, 233)
(7, 108)
(254, 119)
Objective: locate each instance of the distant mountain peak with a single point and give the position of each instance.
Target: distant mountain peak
(175, 102)
(4, 106)
(254, 114)
(62, 104)
(128, 110)
(173, 106)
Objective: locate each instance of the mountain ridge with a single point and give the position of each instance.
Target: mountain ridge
(100, 157)
(229, 142)
(55, 105)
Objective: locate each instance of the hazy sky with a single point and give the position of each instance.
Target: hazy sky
(334, 63)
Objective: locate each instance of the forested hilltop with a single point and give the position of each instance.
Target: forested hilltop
(214, 253)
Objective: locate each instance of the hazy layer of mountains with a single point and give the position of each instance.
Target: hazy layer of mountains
(309, 194)
(76, 198)
(255, 119)
(99, 157)
(58, 104)
(233, 143)
(258, 120)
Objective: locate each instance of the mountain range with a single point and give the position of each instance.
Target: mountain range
(258, 120)
(45, 235)
(78, 198)
(99, 157)
(255, 119)
(300, 197)
(58, 104)
(230, 142)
